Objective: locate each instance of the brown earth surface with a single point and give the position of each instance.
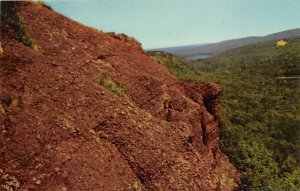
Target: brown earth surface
(61, 130)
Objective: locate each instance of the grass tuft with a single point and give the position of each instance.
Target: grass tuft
(107, 82)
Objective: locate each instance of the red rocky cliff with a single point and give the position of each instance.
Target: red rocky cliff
(62, 130)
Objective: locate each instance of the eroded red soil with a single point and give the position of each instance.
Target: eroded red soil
(61, 130)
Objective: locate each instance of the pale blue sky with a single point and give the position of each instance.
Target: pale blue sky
(166, 23)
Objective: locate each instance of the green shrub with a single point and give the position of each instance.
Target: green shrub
(107, 82)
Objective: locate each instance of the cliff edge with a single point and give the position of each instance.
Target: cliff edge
(86, 110)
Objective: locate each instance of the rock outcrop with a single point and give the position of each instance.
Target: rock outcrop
(62, 130)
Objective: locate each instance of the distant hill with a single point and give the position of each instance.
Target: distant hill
(194, 52)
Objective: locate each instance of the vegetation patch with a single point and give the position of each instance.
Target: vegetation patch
(177, 66)
(260, 110)
(9, 16)
(107, 82)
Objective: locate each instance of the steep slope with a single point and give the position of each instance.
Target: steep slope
(62, 129)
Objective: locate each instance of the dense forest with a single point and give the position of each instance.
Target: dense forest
(260, 109)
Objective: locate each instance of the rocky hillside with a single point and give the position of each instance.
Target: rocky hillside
(85, 110)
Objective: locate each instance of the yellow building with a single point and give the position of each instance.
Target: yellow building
(281, 43)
